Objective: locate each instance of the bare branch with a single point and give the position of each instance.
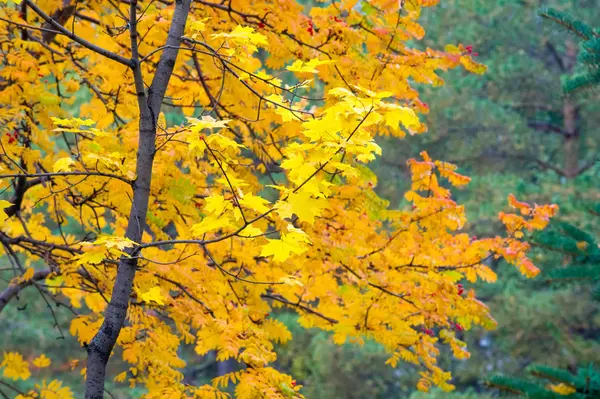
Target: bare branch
(13, 290)
(83, 42)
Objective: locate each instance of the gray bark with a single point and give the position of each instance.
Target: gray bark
(99, 349)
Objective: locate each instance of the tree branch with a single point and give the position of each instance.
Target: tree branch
(83, 42)
(13, 290)
(547, 127)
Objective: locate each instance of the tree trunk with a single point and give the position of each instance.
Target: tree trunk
(101, 346)
(571, 142)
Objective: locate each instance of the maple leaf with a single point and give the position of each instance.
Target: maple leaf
(245, 35)
(208, 224)
(54, 390)
(291, 281)
(15, 367)
(114, 242)
(305, 207)
(254, 202)
(281, 249)
(41, 361)
(308, 67)
(199, 25)
(397, 115)
(153, 295)
(207, 122)
(244, 123)
(217, 204)
(88, 257)
(63, 164)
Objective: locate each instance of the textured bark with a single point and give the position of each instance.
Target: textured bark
(61, 16)
(100, 347)
(571, 142)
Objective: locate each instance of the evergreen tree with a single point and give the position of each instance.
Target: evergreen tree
(585, 384)
(589, 56)
(582, 253)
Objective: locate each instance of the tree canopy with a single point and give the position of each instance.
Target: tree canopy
(173, 171)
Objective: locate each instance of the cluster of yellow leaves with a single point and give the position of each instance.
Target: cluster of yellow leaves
(15, 367)
(222, 249)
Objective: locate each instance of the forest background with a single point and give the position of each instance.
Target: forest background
(512, 131)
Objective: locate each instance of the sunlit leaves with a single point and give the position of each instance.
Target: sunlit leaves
(244, 36)
(260, 199)
(63, 165)
(206, 122)
(153, 296)
(282, 249)
(3, 216)
(308, 67)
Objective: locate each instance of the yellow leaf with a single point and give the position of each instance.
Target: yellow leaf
(395, 115)
(244, 35)
(254, 202)
(15, 367)
(306, 207)
(28, 275)
(281, 249)
(472, 66)
(250, 231)
(308, 67)
(210, 223)
(562, 389)
(199, 26)
(121, 376)
(207, 122)
(63, 164)
(3, 216)
(153, 295)
(41, 361)
(115, 242)
(217, 204)
(291, 281)
(91, 258)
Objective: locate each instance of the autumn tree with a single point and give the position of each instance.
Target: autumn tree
(157, 233)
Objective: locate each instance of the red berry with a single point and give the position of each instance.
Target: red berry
(261, 25)
(459, 327)
(293, 383)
